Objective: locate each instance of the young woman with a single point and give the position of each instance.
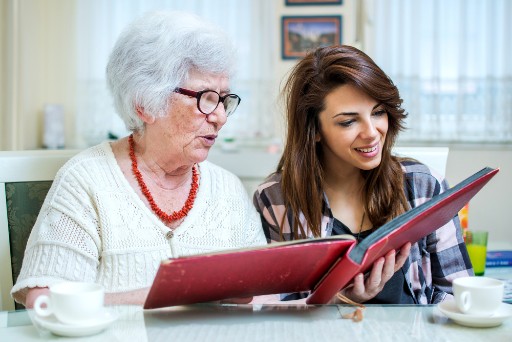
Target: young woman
(337, 176)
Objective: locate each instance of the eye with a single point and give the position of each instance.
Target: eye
(380, 112)
(346, 123)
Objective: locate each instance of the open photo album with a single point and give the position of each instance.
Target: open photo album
(322, 266)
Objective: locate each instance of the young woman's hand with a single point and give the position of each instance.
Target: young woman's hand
(383, 269)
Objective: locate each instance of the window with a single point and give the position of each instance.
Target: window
(451, 63)
(250, 24)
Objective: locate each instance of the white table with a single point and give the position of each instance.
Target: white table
(505, 274)
(268, 323)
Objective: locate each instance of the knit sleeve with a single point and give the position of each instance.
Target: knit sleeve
(255, 233)
(64, 242)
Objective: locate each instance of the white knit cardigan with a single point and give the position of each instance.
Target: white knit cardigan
(94, 227)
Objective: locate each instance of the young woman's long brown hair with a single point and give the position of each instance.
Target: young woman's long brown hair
(315, 76)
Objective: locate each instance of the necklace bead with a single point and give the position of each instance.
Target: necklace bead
(176, 215)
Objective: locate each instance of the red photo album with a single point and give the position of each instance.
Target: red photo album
(322, 266)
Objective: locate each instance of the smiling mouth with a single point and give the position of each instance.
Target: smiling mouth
(367, 150)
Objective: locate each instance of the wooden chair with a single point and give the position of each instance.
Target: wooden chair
(25, 178)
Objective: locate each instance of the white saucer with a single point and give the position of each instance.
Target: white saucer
(449, 308)
(101, 323)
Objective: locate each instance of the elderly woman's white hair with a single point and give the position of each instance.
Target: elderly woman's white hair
(154, 54)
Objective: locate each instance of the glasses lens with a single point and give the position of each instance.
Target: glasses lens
(230, 103)
(208, 102)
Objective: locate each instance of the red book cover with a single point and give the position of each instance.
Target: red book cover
(323, 266)
(408, 227)
(276, 268)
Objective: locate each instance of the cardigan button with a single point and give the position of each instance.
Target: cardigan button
(169, 235)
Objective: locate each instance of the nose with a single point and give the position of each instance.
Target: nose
(218, 116)
(369, 130)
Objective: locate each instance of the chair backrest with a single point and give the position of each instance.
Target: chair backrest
(434, 157)
(25, 178)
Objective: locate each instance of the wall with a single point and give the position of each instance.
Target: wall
(4, 93)
(489, 209)
(348, 35)
(39, 68)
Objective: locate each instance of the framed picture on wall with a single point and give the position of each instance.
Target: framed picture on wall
(303, 33)
(312, 2)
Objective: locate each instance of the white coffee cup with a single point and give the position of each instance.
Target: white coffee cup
(478, 295)
(74, 303)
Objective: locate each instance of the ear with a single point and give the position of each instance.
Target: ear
(148, 119)
(318, 137)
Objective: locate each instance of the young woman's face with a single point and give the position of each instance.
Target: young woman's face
(353, 129)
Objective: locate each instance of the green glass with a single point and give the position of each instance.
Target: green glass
(476, 243)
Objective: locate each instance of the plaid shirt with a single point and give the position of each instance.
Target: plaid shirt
(434, 261)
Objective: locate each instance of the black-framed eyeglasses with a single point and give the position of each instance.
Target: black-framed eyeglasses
(208, 100)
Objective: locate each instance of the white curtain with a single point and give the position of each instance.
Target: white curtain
(452, 63)
(250, 24)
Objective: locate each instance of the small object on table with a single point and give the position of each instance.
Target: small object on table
(357, 314)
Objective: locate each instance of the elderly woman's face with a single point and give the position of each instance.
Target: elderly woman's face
(186, 134)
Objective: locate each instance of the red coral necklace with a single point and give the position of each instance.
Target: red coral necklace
(176, 215)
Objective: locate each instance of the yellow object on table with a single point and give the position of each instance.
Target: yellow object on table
(476, 244)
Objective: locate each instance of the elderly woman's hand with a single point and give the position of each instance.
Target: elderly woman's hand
(383, 269)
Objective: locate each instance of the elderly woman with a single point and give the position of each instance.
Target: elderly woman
(116, 210)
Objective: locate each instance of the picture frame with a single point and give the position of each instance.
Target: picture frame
(312, 2)
(303, 33)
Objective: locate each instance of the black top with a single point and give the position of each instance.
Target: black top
(395, 291)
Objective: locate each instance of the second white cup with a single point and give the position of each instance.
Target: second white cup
(478, 295)
(74, 303)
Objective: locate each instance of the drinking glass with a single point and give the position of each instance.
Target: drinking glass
(476, 243)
